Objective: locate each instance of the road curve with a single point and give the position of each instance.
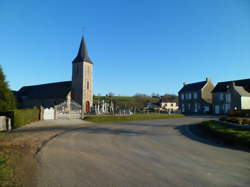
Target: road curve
(139, 153)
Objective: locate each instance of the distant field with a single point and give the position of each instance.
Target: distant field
(109, 118)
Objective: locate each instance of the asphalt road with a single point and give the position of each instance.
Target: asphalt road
(142, 153)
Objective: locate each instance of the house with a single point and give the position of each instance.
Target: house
(163, 105)
(153, 105)
(169, 106)
(196, 97)
(74, 94)
(231, 95)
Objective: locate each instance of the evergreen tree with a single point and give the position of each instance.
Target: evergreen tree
(7, 99)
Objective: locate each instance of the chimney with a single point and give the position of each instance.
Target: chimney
(232, 84)
(184, 84)
(208, 79)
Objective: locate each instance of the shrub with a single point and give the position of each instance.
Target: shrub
(245, 121)
(25, 116)
(240, 113)
(230, 135)
(236, 120)
(223, 118)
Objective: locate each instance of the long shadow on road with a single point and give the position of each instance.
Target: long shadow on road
(193, 132)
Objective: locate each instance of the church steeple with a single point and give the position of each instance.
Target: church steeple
(82, 55)
(81, 86)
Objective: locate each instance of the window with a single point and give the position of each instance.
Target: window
(190, 95)
(87, 84)
(195, 95)
(189, 106)
(182, 96)
(195, 107)
(228, 98)
(221, 96)
(186, 95)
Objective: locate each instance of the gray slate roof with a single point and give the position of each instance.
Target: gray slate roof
(46, 91)
(193, 86)
(82, 53)
(222, 86)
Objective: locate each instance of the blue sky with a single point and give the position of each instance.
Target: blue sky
(137, 46)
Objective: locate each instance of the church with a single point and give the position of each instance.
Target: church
(69, 95)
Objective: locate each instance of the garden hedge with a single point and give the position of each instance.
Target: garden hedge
(240, 113)
(22, 117)
(229, 135)
(240, 121)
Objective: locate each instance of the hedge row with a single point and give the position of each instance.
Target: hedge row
(229, 135)
(240, 121)
(240, 113)
(22, 117)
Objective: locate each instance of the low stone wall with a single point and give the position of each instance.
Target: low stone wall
(5, 123)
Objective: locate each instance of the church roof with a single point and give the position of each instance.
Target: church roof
(46, 91)
(82, 53)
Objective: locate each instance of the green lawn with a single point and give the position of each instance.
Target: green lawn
(235, 136)
(110, 118)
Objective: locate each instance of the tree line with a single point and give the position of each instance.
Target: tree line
(7, 99)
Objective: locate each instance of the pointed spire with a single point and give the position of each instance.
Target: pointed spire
(82, 53)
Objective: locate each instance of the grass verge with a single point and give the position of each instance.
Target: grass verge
(110, 118)
(234, 136)
(12, 156)
(6, 170)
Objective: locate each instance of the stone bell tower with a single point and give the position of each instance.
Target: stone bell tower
(82, 67)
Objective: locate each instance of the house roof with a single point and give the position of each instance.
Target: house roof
(193, 86)
(82, 55)
(240, 90)
(222, 86)
(45, 91)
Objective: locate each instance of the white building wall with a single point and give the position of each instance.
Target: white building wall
(245, 102)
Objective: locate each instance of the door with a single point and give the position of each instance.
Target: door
(87, 107)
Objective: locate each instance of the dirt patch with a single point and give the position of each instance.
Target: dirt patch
(20, 161)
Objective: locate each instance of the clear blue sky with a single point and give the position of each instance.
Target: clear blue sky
(137, 46)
